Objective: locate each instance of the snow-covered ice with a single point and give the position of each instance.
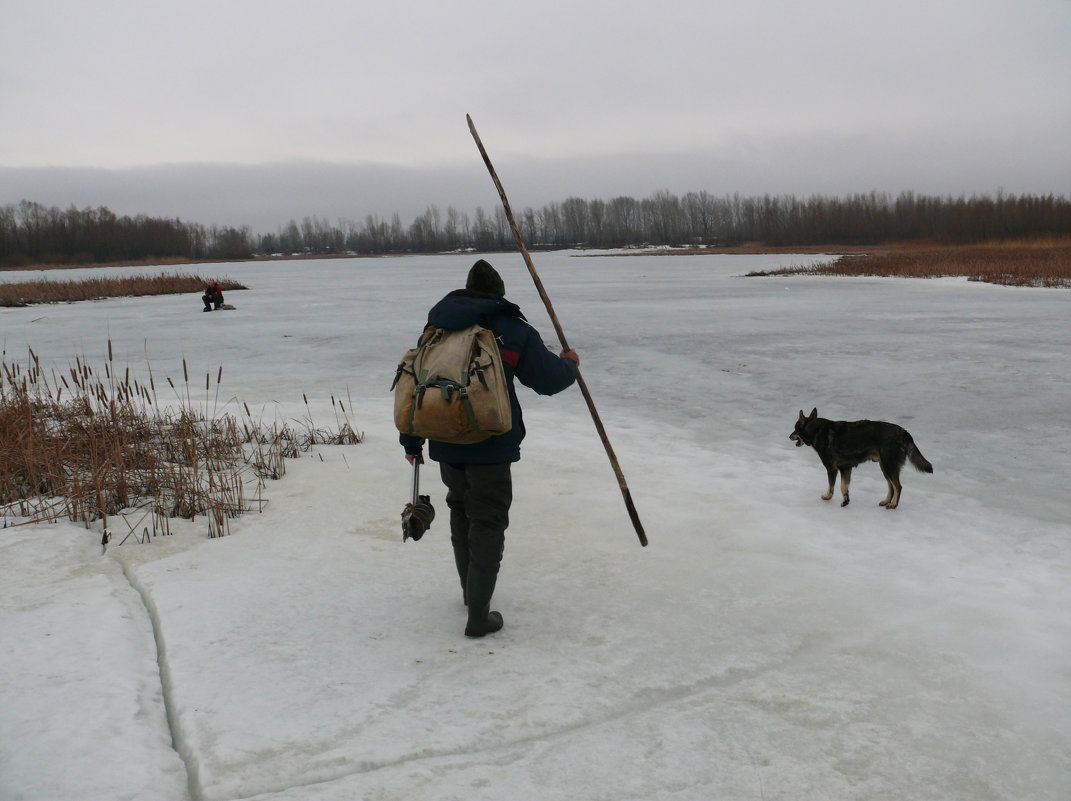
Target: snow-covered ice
(766, 645)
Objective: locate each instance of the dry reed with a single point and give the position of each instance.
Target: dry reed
(88, 448)
(1043, 262)
(26, 293)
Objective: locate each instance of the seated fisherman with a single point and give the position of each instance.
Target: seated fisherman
(213, 295)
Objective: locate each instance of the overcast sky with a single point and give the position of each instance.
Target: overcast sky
(256, 111)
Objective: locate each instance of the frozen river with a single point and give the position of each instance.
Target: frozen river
(765, 645)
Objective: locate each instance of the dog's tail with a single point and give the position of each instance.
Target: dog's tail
(918, 459)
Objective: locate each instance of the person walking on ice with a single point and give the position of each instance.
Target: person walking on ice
(477, 476)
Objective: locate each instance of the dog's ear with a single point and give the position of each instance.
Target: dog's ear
(802, 418)
(814, 413)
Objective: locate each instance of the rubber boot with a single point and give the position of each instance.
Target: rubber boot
(481, 586)
(461, 559)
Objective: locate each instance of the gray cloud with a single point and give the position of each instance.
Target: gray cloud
(251, 112)
(268, 196)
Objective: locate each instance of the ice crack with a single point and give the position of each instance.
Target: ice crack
(178, 740)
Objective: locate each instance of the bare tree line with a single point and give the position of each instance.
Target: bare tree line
(32, 234)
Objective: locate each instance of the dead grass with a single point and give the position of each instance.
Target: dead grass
(1040, 262)
(90, 446)
(26, 293)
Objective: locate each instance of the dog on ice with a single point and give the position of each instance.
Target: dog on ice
(842, 445)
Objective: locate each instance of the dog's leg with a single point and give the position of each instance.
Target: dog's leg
(892, 477)
(888, 495)
(895, 489)
(845, 480)
(832, 473)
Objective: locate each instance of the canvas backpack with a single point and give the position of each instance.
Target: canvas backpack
(452, 387)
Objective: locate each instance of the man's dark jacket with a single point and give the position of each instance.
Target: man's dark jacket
(524, 356)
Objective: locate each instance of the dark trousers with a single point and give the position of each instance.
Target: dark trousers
(215, 298)
(479, 497)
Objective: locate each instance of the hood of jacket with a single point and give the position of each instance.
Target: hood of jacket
(465, 307)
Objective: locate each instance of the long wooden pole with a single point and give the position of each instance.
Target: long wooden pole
(631, 507)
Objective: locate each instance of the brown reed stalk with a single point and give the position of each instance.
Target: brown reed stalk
(107, 451)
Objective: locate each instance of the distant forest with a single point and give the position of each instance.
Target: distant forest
(31, 233)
